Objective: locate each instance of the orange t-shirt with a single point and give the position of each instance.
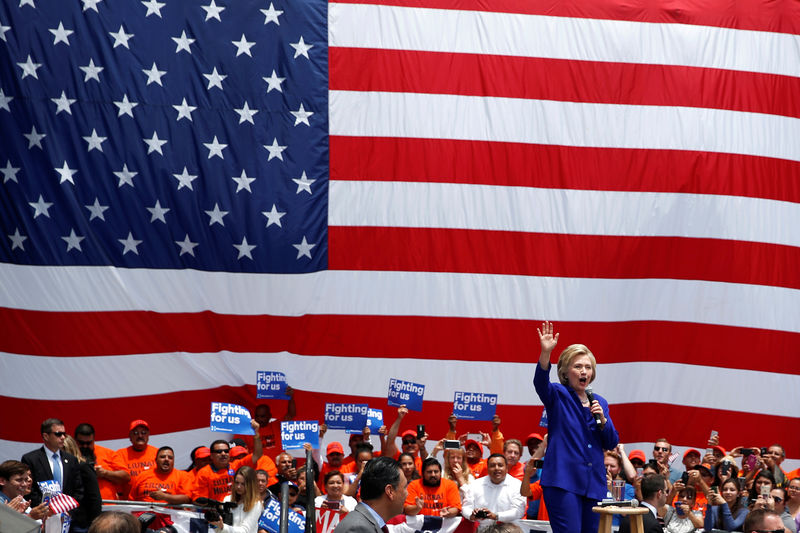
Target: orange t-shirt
(517, 471)
(176, 482)
(216, 484)
(264, 463)
(135, 463)
(478, 469)
(107, 459)
(537, 493)
(270, 439)
(434, 498)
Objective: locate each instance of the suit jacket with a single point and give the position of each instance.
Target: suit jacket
(649, 522)
(360, 520)
(39, 464)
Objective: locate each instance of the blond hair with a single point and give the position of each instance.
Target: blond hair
(569, 355)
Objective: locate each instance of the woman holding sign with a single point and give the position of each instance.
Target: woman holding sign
(579, 429)
(247, 513)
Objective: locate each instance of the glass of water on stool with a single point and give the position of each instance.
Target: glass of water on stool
(617, 489)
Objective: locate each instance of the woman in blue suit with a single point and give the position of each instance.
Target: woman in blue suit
(573, 476)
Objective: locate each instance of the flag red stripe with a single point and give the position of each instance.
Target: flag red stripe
(357, 69)
(580, 256)
(780, 17)
(563, 167)
(90, 334)
(110, 417)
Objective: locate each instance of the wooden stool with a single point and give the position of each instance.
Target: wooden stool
(607, 514)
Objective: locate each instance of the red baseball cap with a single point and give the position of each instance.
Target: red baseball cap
(137, 423)
(237, 451)
(202, 453)
(473, 441)
(720, 449)
(334, 447)
(534, 436)
(637, 454)
(691, 450)
(408, 433)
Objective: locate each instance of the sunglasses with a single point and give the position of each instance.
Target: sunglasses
(778, 499)
(220, 451)
(660, 449)
(409, 441)
(58, 433)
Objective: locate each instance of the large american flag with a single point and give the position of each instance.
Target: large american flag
(193, 191)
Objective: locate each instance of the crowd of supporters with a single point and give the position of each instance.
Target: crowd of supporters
(477, 479)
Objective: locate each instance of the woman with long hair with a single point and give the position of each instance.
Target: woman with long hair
(763, 478)
(334, 497)
(579, 429)
(408, 466)
(726, 510)
(454, 467)
(91, 503)
(249, 508)
(793, 500)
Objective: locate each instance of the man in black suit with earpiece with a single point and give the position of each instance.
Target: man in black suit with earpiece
(52, 462)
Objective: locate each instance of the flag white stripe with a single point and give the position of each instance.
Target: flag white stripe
(577, 212)
(478, 118)
(400, 294)
(164, 373)
(508, 34)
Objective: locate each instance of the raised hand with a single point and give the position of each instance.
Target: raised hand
(547, 339)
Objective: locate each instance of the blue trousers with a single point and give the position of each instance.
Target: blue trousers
(569, 512)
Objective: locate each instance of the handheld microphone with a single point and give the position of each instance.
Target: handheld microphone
(590, 396)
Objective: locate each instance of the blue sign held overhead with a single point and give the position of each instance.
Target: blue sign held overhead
(230, 418)
(294, 433)
(352, 416)
(406, 393)
(270, 519)
(374, 422)
(474, 405)
(271, 385)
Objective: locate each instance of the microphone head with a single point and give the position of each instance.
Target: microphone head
(589, 389)
(634, 502)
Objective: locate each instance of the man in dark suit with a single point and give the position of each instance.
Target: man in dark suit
(52, 462)
(654, 495)
(383, 493)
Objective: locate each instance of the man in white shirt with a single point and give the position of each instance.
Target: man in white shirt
(494, 497)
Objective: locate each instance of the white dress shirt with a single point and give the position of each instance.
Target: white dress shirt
(503, 499)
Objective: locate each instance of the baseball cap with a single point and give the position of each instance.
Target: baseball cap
(691, 450)
(473, 441)
(704, 468)
(720, 449)
(534, 436)
(238, 451)
(408, 433)
(137, 423)
(334, 447)
(202, 453)
(637, 454)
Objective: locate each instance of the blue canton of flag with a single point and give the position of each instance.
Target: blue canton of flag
(165, 134)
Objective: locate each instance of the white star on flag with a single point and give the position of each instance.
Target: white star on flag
(73, 241)
(303, 184)
(66, 173)
(60, 34)
(304, 248)
(121, 38)
(301, 48)
(187, 246)
(273, 216)
(63, 103)
(271, 15)
(130, 244)
(244, 248)
(215, 148)
(275, 150)
(29, 68)
(125, 176)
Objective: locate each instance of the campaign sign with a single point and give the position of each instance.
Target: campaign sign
(230, 418)
(406, 393)
(295, 433)
(327, 520)
(351, 416)
(51, 486)
(474, 405)
(271, 385)
(270, 519)
(374, 422)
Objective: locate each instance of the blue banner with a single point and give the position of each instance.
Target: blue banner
(406, 393)
(271, 385)
(270, 519)
(474, 405)
(230, 418)
(352, 416)
(374, 422)
(294, 433)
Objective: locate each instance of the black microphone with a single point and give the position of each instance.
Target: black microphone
(590, 396)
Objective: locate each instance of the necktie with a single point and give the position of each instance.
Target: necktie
(385, 529)
(57, 469)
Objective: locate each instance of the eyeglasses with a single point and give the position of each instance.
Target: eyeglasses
(58, 434)
(220, 451)
(793, 488)
(660, 449)
(140, 433)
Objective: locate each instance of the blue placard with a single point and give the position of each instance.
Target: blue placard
(352, 416)
(270, 519)
(374, 422)
(230, 418)
(271, 385)
(543, 420)
(406, 393)
(51, 486)
(474, 405)
(294, 433)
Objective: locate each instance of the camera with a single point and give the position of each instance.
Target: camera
(420, 431)
(538, 463)
(452, 445)
(481, 513)
(145, 519)
(726, 467)
(685, 478)
(747, 452)
(216, 510)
